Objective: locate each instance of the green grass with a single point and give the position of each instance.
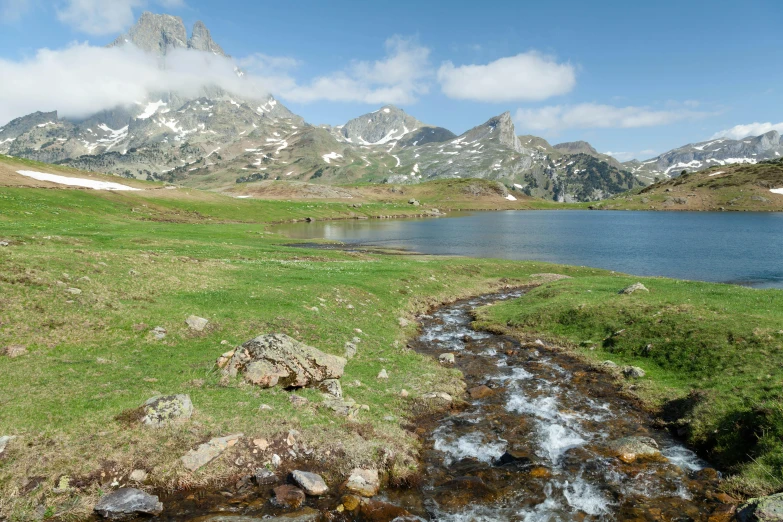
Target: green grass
(91, 356)
(713, 356)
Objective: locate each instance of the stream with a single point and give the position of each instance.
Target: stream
(536, 447)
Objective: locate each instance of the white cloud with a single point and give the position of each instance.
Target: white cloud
(99, 17)
(528, 76)
(13, 10)
(595, 116)
(751, 129)
(401, 77)
(82, 79)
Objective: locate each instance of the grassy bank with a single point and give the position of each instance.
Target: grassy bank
(713, 356)
(91, 356)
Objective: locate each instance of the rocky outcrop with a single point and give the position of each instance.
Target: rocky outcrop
(156, 33)
(765, 509)
(380, 127)
(279, 360)
(128, 503)
(201, 40)
(159, 411)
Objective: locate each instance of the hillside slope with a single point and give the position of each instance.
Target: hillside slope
(745, 187)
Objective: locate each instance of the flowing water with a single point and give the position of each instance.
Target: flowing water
(536, 449)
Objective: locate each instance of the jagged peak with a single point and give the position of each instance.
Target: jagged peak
(201, 40)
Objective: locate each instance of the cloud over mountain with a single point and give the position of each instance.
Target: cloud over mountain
(596, 116)
(528, 76)
(751, 129)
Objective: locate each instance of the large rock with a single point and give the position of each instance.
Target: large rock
(278, 360)
(364, 482)
(208, 451)
(631, 449)
(128, 503)
(288, 496)
(765, 509)
(312, 483)
(159, 411)
(633, 372)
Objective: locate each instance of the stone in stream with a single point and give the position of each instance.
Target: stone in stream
(636, 287)
(208, 451)
(631, 449)
(278, 360)
(288, 496)
(264, 477)
(159, 411)
(197, 324)
(480, 392)
(312, 483)
(364, 482)
(128, 503)
(446, 358)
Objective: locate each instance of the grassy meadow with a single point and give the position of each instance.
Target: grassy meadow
(151, 258)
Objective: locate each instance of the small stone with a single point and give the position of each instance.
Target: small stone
(159, 333)
(4, 243)
(631, 449)
(197, 324)
(480, 392)
(297, 401)
(312, 483)
(264, 477)
(351, 502)
(15, 350)
(4, 440)
(208, 451)
(291, 438)
(350, 350)
(276, 461)
(223, 342)
(437, 396)
(138, 475)
(383, 374)
(288, 496)
(265, 407)
(609, 364)
(159, 411)
(132, 273)
(85, 279)
(331, 387)
(261, 444)
(403, 322)
(128, 503)
(636, 287)
(364, 482)
(446, 358)
(74, 291)
(404, 394)
(633, 372)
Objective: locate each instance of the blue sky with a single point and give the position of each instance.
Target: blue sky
(637, 78)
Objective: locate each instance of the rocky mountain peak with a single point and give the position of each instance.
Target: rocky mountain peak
(201, 40)
(389, 123)
(501, 126)
(156, 33)
(576, 147)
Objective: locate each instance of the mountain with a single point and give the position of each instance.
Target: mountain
(700, 156)
(218, 139)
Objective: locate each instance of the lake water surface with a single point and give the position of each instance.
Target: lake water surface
(741, 248)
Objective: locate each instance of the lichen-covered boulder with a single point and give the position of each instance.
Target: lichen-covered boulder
(364, 482)
(279, 360)
(636, 287)
(765, 509)
(159, 411)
